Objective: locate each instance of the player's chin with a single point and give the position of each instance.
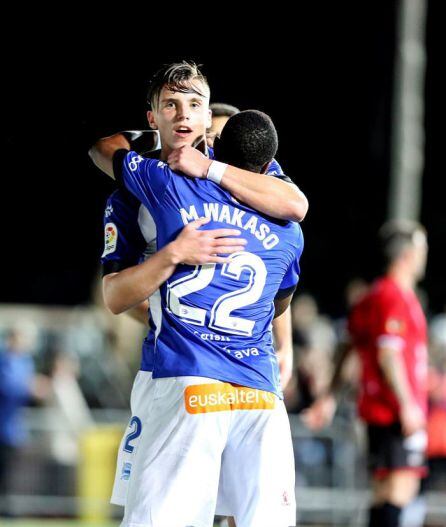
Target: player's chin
(179, 142)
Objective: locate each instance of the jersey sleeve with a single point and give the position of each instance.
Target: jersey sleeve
(391, 329)
(292, 275)
(275, 170)
(124, 243)
(145, 178)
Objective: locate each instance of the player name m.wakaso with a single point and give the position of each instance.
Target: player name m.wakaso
(233, 216)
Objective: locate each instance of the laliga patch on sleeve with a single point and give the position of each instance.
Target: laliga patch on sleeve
(395, 326)
(110, 239)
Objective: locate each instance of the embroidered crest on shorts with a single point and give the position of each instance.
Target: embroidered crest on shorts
(110, 239)
(126, 470)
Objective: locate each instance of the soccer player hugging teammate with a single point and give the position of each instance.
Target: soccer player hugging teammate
(130, 234)
(213, 351)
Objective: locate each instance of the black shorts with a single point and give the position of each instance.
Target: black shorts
(390, 450)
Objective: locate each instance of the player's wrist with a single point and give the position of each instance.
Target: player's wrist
(215, 171)
(205, 164)
(173, 253)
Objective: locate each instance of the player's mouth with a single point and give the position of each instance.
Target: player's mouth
(182, 131)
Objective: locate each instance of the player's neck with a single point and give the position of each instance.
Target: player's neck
(165, 152)
(199, 143)
(402, 277)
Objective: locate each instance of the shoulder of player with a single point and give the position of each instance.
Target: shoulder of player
(296, 235)
(134, 162)
(386, 289)
(385, 295)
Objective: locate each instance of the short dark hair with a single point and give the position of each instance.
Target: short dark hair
(221, 109)
(248, 140)
(395, 236)
(177, 77)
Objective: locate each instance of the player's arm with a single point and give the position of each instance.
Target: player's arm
(124, 290)
(267, 194)
(124, 243)
(281, 304)
(103, 151)
(131, 286)
(283, 341)
(291, 277)
(140, 313)
(392, 364)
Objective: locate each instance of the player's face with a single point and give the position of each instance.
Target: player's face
(181, 118)
(218, 123)
(420, 250)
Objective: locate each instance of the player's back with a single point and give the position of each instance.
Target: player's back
(216, 319)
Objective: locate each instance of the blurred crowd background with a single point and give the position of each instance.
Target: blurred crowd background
(65, 381)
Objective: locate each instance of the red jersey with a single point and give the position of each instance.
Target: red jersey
(392, 317)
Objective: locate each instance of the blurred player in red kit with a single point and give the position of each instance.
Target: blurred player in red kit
(388, 330)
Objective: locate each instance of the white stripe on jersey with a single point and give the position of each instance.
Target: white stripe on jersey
(147, 225)
(155, 311)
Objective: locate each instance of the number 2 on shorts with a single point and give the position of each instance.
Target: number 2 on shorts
(135, 424)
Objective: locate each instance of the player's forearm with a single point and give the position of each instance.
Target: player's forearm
(140, 312)
(126, 289)
(283, 333)
(102, 152)
(392, 366)
(266, 194)
(283, 343)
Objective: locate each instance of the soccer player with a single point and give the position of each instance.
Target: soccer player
(130, 238)
(128, 227)
(388, 330)
(282, 326)
(214, 350)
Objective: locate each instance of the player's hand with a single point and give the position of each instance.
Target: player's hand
(198, 247)
(320, 413)
(189, 161)
(412, 419)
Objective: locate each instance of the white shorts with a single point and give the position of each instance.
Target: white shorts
(139, 405)
(203, 433)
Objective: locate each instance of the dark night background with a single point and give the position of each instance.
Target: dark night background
(324, 74)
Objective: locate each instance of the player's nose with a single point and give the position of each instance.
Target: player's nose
(183, 112)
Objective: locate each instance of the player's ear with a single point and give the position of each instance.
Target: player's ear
(152, 120)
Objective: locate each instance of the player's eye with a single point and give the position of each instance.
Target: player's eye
(195, 105)
(169, 104)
